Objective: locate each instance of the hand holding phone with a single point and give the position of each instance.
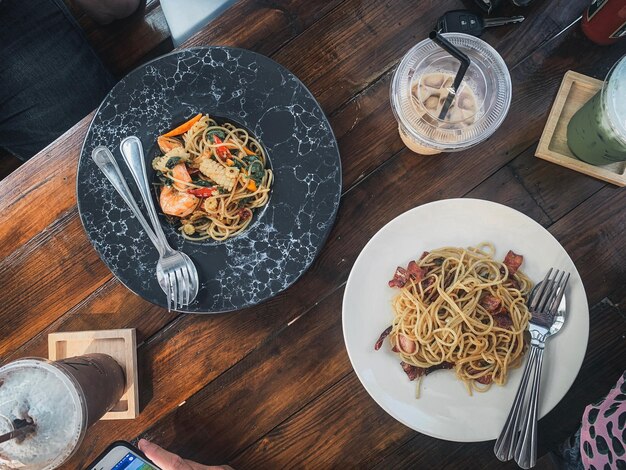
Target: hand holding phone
(124, 456)
(169, 461)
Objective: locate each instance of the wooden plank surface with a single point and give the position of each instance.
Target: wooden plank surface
(344, 243)
(126, 43)
(272, 386)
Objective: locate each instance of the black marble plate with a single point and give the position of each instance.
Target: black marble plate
(255, 92)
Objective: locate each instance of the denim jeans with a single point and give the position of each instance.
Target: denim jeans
(50, 77)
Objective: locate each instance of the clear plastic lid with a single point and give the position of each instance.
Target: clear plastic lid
(614, 98)
(423, 80)
(39, 389)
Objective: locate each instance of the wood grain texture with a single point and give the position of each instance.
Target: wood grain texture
(262, 25)
(593, 234)
(41, 190)
(108, 307)
(544, 183)
(57, 268)
(271, 385)
(178, 362)
(370, 204)
(124, 44)
(303, 360)
(505, 187)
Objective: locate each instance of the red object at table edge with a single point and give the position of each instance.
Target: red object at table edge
(604, 22)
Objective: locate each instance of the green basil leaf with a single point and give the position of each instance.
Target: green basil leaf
(203, 183)
(257, 172)
(244, 201)
(172, 162)
(218, 133)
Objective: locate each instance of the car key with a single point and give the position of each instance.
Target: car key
(466, 21)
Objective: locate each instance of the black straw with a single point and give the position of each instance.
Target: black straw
(21, 428)
(465, 63)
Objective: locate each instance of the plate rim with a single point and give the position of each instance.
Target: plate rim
(455, 200)
(331, 221)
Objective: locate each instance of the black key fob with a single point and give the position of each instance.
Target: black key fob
(465, 21)
(461, 21)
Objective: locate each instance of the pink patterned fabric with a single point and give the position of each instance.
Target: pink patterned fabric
(603, 432)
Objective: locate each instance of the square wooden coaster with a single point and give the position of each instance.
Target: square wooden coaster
(119, 344)
(576, 89)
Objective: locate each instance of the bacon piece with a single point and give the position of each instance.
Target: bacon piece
(415, 272)
(426, 283)
(443, 365)
(490, 302)
(513, 261)
(447, 281)
(512, 282)
(485, 379)
(406, 344)
(395, 348)
(412, 371)
(424, 255)
(400, 277)
(501, 311)
(381, 338)
(503, 321)
(244, 213)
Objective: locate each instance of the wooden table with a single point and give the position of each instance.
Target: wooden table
(272, 386)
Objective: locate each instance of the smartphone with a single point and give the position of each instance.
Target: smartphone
(122, 456)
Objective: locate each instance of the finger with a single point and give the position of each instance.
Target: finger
(162, 458)
(198, 466)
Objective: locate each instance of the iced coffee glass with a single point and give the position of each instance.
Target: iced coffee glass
(422, 82)
(62, 399)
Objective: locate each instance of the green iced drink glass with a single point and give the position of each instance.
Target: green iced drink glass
(596, 134)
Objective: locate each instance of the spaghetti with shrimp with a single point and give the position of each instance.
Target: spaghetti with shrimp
(460, 309)
(211, 178)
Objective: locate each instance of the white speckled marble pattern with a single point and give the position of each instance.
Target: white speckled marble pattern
(257, 93)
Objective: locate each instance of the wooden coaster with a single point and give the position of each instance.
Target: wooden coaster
(119, 344)
(576, 89)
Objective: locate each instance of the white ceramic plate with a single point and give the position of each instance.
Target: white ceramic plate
(444, 409)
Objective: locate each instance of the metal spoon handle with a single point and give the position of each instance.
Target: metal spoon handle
(105, 160)
(526, 450)
(507, 441)
(132, 151)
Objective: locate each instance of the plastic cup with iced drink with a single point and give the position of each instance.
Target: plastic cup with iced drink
(421, 84)
(62, 399)
(596, 134)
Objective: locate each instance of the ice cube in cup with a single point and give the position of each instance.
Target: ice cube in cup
(422, 82)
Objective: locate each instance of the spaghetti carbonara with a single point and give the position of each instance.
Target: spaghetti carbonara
(459, 308)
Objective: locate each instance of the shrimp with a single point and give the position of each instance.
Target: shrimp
(177, 203)
(180, 173)
(166, 144)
